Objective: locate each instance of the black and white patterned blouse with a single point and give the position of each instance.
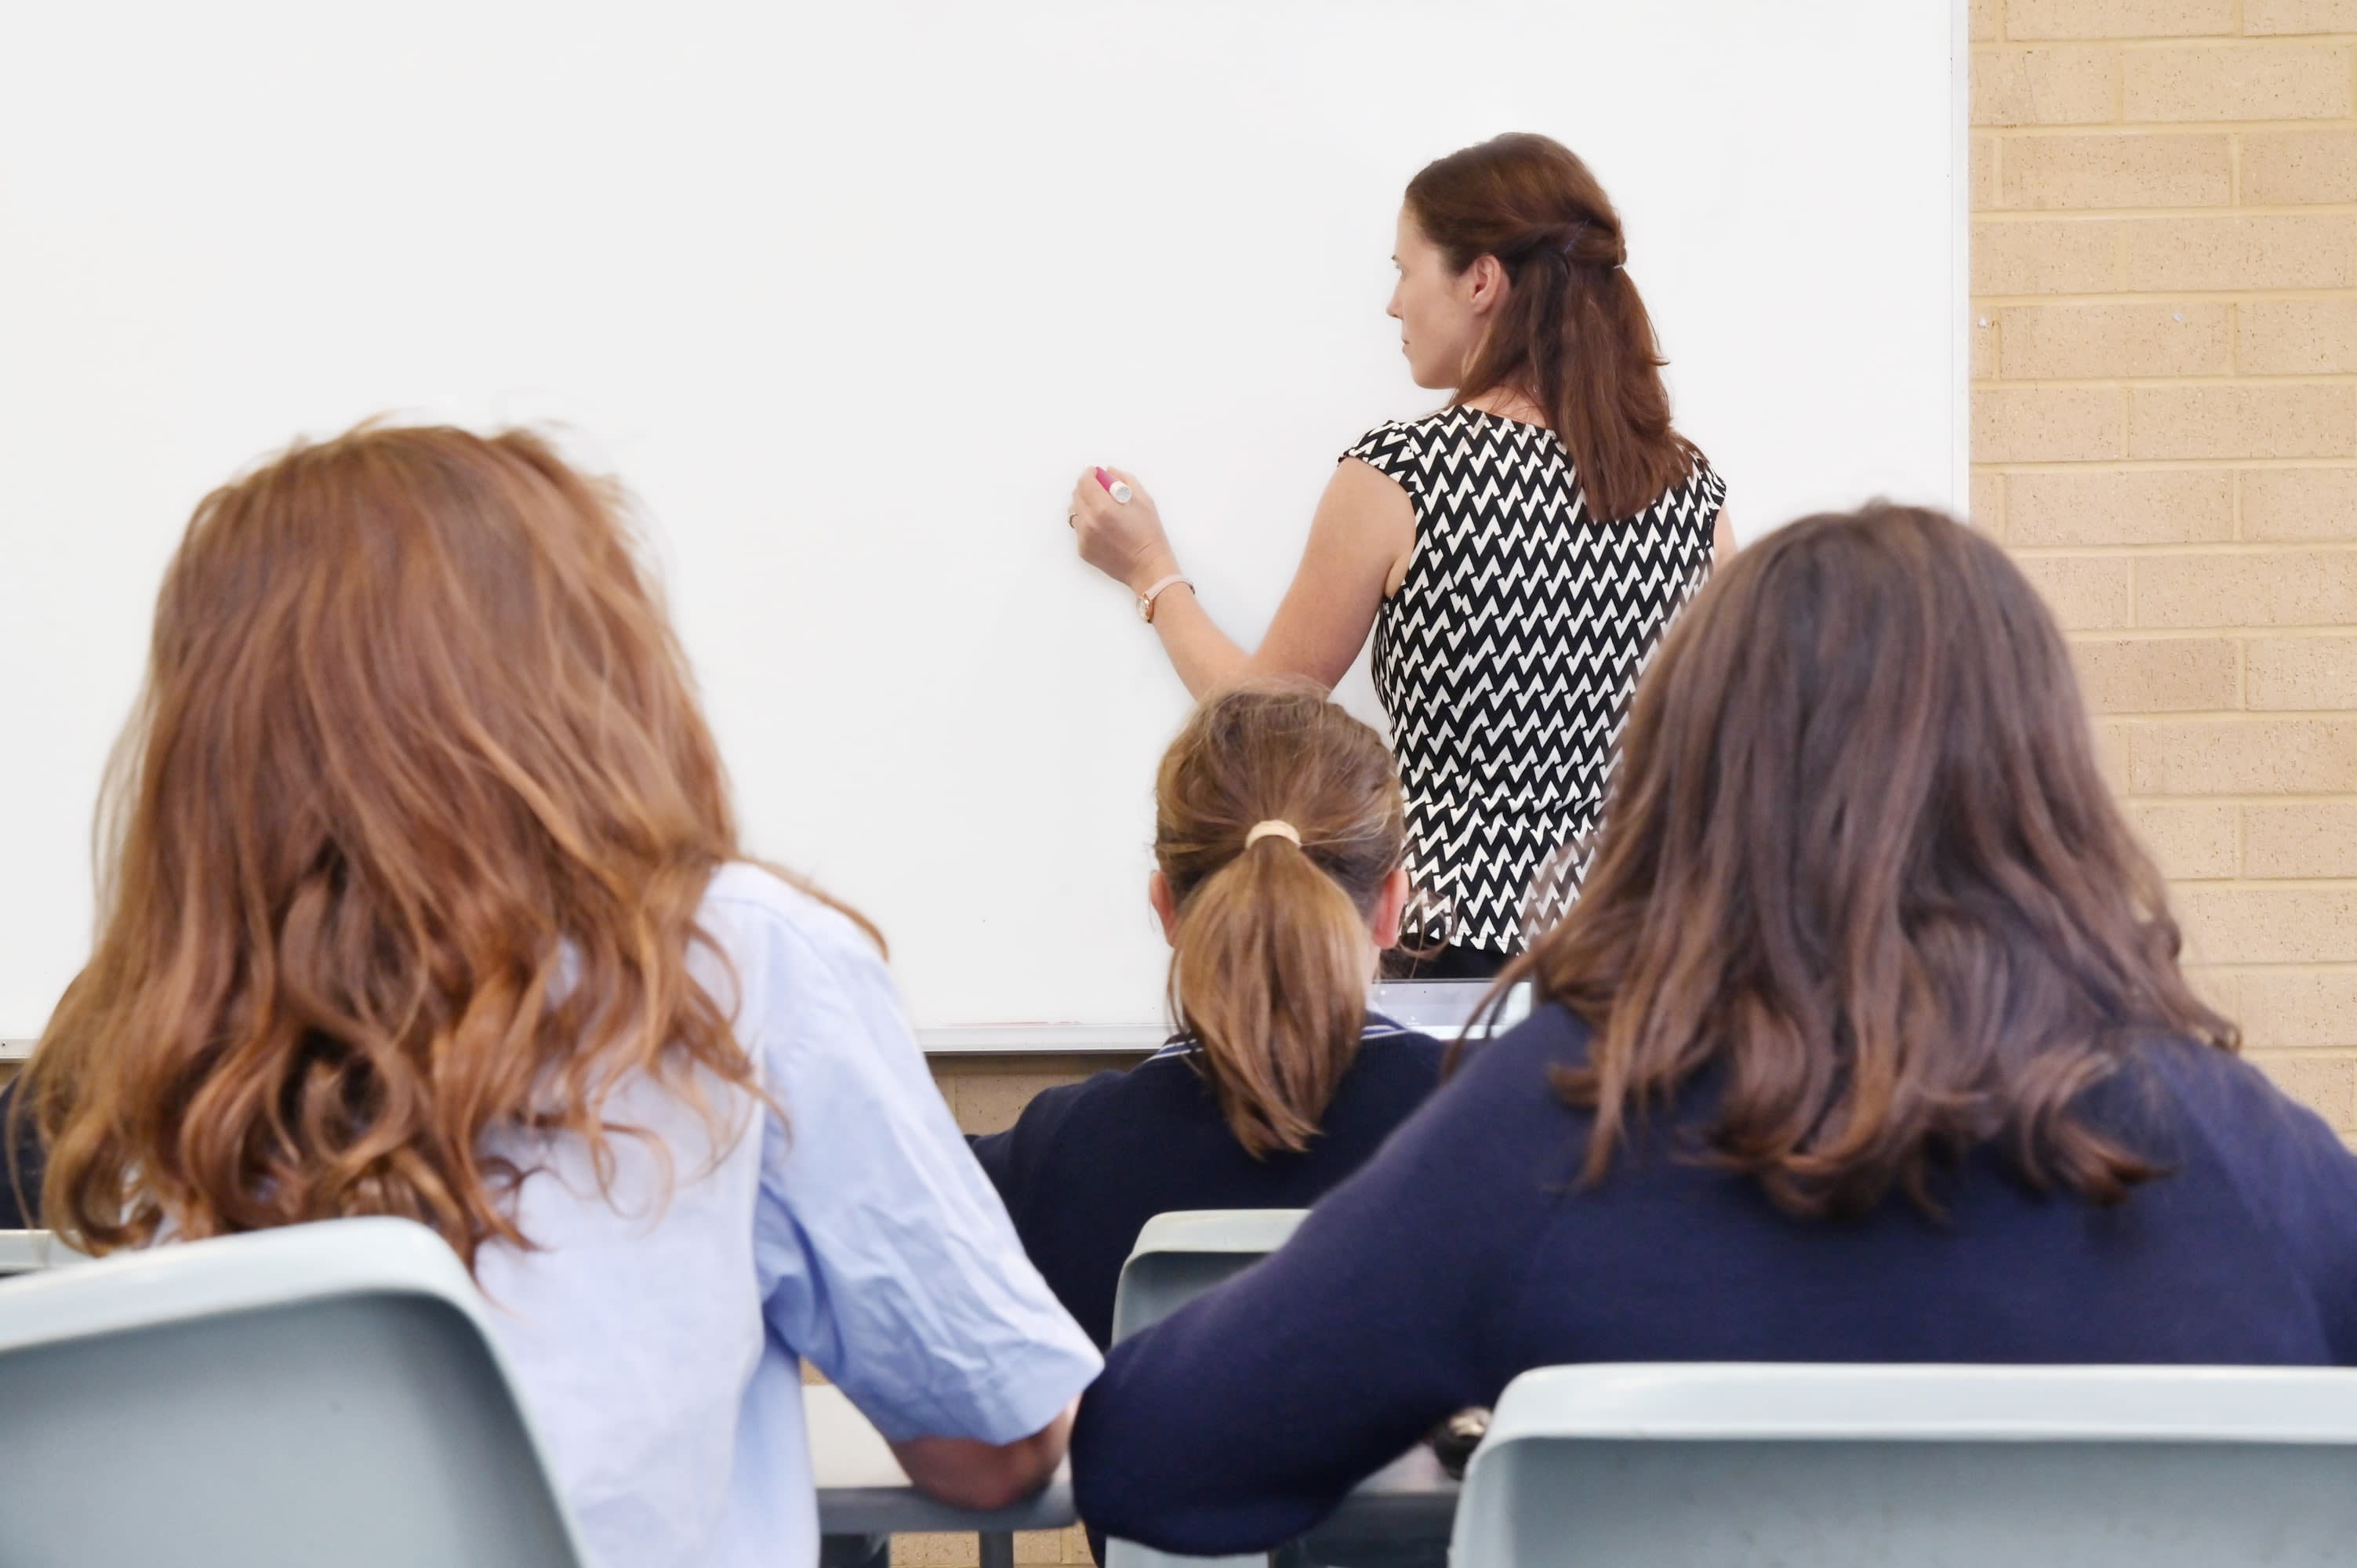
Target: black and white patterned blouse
(1507, 658)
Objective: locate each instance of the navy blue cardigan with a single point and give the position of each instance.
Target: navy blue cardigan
(1089, 1163)
(1467, 1253)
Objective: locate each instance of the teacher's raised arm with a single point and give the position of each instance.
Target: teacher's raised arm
(1518, 553)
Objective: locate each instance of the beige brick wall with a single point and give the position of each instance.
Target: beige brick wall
(2164, 434)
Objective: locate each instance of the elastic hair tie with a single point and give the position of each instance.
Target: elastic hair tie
(1273, 828)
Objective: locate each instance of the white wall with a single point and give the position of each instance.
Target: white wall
(850, 294)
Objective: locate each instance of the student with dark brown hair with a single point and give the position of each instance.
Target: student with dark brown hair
(1865, 1042)
(1277, 842)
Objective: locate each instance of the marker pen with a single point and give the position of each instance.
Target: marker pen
(1114, 488)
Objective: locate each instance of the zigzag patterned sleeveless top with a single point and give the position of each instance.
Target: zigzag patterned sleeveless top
(1507, 658)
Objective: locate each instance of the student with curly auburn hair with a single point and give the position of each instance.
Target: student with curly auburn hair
(425, 898)
(1866, 1041)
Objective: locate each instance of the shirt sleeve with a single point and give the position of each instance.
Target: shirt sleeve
(1242, 1420)
(886, 1257)
(1391, 450)
(1017, 1159)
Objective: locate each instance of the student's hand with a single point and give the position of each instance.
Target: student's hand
(1122, 539)
(983, 1477)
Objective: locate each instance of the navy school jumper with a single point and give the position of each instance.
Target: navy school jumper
(1089, 1163)
(1467, 1252)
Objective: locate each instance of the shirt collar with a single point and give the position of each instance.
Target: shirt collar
(1377, 1028)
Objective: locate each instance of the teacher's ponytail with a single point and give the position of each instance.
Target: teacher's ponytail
(1573, 334)
(1278, 819)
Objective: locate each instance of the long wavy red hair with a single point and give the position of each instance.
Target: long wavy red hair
(404, 845)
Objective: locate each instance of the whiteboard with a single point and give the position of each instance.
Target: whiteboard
(849, 293)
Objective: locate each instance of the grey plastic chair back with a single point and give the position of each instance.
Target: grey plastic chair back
(324, 1394)
(31, 1251)
(1840, 1466)
(1178, 1257)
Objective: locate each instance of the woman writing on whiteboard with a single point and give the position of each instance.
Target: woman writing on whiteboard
(1519, 553)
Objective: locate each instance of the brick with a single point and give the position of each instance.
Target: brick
(2118, 18)
(2088, 342)
(2267, 250)
(1987, 20)
(2072, 85)
(2300, 1009)
(989, 1103)
(2326, 1085)
(2213, 986)
(2310, 419)
(2046, 425)
(2055, 256)
(2302, 673)
(1983, 165)
(2301, 839)
(917, 1549)
(2111, 743)
(1988, 503)
(2192, 841)
(2242, 756)
(2299, 505)
(1984, 347)
(2158, 674)
(2237, 81)
(2090, 593)
(1039, 1546)
(2133, 506)
(2112, 169)
(2285, 167)
(2267, 588)
(2270, 925)
(2295, 337)
(2299, 16)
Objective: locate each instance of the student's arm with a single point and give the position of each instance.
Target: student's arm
(1722, 539)
(966, 1473)
(1242, 1420)
(1360, 540)
(887, 1259)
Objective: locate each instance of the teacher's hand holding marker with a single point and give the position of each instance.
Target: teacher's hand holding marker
(1518, 554)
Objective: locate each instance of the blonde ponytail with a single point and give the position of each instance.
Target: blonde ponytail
(1269, 965)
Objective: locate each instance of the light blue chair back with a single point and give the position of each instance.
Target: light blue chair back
(1842, 1467)
(31, 1251)
(318, 1394)
(1178, 1257)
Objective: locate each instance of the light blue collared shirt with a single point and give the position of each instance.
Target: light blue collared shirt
(660, 1343)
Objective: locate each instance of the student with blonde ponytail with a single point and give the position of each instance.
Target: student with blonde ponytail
(1279, 835)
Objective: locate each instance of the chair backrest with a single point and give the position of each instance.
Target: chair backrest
(320, 1393)
(31, 1251)
(1842, 1466)
(1180, 1256)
